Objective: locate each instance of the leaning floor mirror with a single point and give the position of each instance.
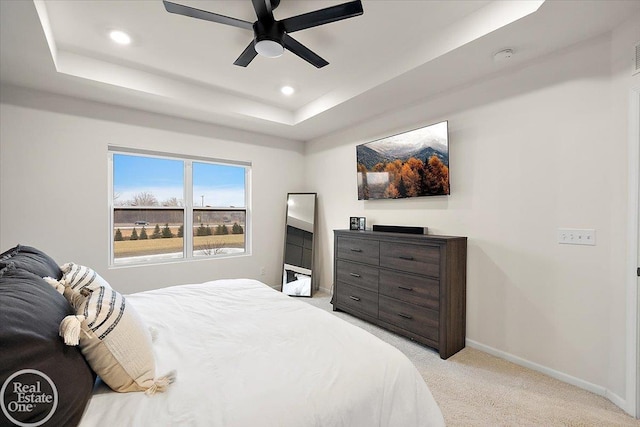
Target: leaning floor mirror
(300, 229)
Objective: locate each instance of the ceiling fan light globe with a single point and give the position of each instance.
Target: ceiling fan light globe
(269, 48)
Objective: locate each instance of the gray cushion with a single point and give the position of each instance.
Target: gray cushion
(32, 260)
(30, 314)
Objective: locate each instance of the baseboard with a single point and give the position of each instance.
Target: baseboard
(327, 290)
(617, 400)
(594, 388)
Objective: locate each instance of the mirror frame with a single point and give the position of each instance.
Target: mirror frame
(313, 244)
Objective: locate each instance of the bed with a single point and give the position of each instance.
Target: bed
(248, 355)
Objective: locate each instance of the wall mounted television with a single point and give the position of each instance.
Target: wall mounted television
(410, 164)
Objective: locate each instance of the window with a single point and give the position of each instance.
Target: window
(155, 197)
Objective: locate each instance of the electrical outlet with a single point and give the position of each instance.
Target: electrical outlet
(577, 236)
(263, 271)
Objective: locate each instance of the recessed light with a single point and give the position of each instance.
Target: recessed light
(120, 37)
(287, 90)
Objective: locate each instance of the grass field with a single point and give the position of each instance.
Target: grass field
(128, 248)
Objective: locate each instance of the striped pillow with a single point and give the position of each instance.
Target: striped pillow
(81, 277)
(112, 337)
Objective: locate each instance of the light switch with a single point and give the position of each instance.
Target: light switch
(577, 236)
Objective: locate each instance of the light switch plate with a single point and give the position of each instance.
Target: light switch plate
(577, 236)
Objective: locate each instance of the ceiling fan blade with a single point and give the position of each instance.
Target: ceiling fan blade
(322, 16)
(263, 9)
(204, 15)
(246, 56)
(303, 52)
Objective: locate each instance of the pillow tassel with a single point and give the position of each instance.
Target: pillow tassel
(70, 329)
(57, 285)
(161, 384)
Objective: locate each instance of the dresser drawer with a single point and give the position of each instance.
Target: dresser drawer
(412, 318)
(358, 299)
(363, 276)
(419, 259)
(359, 250)
(417, 290)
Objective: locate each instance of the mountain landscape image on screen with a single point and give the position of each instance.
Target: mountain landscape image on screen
(411, 164)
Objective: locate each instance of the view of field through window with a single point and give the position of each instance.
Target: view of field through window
(150, 213)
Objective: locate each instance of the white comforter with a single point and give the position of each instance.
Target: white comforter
(247, 355)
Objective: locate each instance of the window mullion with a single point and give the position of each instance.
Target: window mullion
(188, 209)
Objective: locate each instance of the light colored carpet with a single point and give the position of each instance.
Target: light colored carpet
(474, 388)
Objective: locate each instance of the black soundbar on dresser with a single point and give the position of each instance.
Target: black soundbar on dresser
(400, 229)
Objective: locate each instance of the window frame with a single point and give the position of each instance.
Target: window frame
(187, 209)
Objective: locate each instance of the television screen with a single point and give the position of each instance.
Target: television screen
(411, 164)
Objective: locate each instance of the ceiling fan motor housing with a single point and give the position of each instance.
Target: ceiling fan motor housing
(268, 38)
(268, 31)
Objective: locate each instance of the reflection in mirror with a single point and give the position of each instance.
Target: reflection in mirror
(297, 277)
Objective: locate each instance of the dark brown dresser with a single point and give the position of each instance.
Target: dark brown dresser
(414, 285)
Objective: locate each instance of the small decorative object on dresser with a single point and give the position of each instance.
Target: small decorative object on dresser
(411, 284)
(357, 223)
(362, 224)
(354, 223)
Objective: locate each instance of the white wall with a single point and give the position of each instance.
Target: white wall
(54, 185)
(533, 149)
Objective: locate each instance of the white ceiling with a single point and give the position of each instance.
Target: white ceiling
(396, 53)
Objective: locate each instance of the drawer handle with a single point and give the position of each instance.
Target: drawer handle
(356, 250)
(406, 316)
(354, 274)
(405, 289)
(406, 258)
(354, 298)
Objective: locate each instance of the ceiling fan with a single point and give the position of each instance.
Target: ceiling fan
(270, 36)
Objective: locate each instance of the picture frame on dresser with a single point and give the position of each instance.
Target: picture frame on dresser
(411, 284)
(354, 223)
(357, 223)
